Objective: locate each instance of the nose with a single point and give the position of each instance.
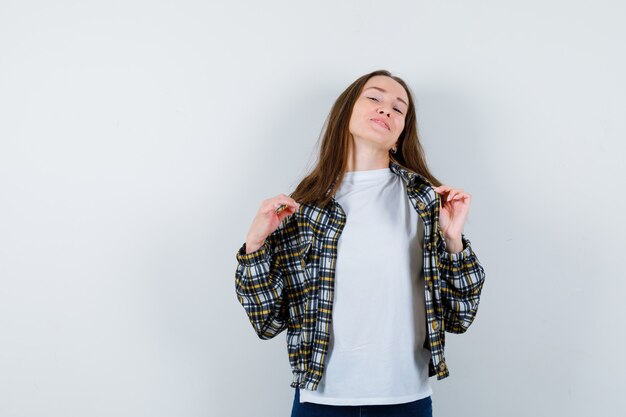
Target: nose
(383, 111)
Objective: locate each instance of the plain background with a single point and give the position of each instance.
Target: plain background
(138, 139)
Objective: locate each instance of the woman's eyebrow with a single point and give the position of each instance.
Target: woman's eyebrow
(384, 91)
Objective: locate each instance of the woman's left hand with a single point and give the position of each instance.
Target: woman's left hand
(453, 209)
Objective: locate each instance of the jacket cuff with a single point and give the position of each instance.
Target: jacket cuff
(457, 256)
(253, 258)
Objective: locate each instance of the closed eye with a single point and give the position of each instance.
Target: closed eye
(374, 98)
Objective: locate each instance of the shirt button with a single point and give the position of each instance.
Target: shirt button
(421, 205)
(442, 366)
(435, 325)
(430, 285)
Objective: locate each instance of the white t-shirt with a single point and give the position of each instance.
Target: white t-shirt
(378, 327)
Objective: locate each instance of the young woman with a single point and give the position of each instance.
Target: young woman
(365, 263)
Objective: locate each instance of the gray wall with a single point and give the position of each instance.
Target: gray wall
(137, 139)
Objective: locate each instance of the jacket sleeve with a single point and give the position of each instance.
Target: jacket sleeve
(461, 282)
(260, 288)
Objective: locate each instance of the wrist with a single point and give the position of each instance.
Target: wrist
(252, 247)
(454, 244)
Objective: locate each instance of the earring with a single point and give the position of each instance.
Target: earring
(393, 150)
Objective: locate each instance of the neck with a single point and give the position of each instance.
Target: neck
(378, 161)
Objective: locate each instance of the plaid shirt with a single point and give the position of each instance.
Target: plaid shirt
(288, 282)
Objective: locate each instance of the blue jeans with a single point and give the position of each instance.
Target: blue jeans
(418, 408)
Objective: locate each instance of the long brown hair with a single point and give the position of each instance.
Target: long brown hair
(323, 181)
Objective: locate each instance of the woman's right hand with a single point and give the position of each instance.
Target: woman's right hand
(267, 220)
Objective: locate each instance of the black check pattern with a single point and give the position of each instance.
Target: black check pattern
(288, 282)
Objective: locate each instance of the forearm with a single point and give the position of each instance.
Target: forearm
(462, 278)
(260, 288)
(459, 265)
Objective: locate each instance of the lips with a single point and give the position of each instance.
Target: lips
(381, 122)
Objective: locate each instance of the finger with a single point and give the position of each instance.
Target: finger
(275, 202)
(284, 208)
(286, 205)
(280, 199)
(453, 194)
(288, 211)
(447, 194)
(287, 198)
(284, 199)
(442, 188)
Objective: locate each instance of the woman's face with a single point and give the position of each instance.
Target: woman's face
(385, 100)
